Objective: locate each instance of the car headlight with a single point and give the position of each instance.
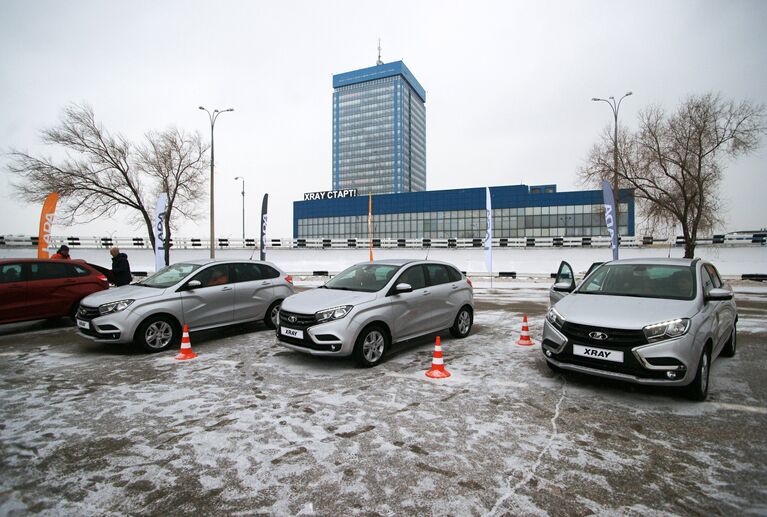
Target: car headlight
(334, 313)
(666, 329)
(555, 318)
(109, 308)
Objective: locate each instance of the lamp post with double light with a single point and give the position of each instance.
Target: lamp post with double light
(212, 116)
(615, 106)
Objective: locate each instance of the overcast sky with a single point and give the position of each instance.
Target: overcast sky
(508, 86)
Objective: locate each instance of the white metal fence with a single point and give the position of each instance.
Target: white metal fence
(731, 239)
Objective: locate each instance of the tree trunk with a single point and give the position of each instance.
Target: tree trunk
(150, 227)
(689, 247)
(167, 242)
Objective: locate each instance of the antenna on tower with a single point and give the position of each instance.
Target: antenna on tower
(379, 62)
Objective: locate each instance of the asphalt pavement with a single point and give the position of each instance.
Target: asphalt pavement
(250, 428)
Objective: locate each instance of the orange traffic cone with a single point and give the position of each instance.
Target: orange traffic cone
(186, 346)
(437, 364)
(524, 339)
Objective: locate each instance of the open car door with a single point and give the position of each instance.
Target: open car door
(564, 283)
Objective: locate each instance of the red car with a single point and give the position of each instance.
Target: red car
(34, 289)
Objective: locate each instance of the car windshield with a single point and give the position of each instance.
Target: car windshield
(363, 277)
(169, 275)
(642, 280)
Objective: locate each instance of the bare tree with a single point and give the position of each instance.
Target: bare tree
(675, 162)
(94, 180)
(102, 173)
(177, 162)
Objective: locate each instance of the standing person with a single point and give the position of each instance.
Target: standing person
(62, 253)
(120, 267)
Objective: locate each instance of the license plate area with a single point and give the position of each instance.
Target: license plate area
(83, 324)
(294, 333)
(601, 354)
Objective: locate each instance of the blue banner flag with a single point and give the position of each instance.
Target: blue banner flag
(610, 219)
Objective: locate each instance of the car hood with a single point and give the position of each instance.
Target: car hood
(126, 292)
(622, 312)
(315, 300)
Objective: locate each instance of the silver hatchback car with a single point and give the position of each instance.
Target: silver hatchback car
(364, 309)
(201, 293)
(656, 321)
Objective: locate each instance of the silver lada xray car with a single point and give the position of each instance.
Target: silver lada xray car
(364, 309)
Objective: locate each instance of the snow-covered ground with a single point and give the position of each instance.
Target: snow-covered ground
(731, 261)
(252, 428)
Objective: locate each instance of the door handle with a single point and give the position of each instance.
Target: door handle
(455, 287)
(16, 286)
(264, 283)
(226, 289)
(425, 293)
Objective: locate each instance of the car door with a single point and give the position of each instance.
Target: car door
(253, 292)
(564, 278)
(13, 292)
(725, 308)
(441, 302)
(712, 310)
(212, 303)
(50, 291)
(408, 315)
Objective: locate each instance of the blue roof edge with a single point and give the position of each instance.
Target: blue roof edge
(379, 72)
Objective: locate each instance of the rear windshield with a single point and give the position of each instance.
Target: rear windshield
(169, 275)
(363, 277)
(641, 280)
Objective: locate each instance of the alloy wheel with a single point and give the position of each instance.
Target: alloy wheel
(373, 346)
(158, 334)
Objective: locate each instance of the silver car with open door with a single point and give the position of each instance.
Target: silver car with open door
(647, 321)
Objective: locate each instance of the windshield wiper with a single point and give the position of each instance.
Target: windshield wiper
(340, 288)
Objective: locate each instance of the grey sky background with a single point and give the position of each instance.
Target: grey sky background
(508, 86)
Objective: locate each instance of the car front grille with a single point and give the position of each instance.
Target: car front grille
(87, 313)
(295, 320)
(619, 339)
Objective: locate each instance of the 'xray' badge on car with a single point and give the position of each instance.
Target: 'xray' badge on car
(615, 356)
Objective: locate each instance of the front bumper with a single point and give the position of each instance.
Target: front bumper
(112, 328)
(333, 338)
(643, 363)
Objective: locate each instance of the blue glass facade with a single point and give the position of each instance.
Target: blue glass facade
(518, 211)
(379, 130)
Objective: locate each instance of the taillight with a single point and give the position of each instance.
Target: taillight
(469, 282)
(289, 279)
(102, 278)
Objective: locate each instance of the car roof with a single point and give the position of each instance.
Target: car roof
(402, 262)
(205, 262)
(658, 261)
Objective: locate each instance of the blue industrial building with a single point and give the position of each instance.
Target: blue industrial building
(518, 211)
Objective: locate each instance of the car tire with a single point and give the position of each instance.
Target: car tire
(157, 333)
(462, 324)
(72, 314)
(698, 388)
(371, 346)
(270, 320)
(731, 346)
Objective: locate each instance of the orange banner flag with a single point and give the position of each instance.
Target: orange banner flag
(370, 224)
(46, 223)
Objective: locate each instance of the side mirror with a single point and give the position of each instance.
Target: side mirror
(193, 284)
(718, 294)
(403, 288)
(563, 287)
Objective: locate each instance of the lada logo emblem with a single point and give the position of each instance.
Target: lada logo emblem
(292, 319)
(599, 336)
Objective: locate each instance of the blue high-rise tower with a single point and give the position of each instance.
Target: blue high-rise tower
(379, 130)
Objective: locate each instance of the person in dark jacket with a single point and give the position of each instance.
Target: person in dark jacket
(62, 253)
(120, 267)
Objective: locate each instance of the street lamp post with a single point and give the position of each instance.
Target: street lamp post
(615, 106)
(212, 116)
(243, 207)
